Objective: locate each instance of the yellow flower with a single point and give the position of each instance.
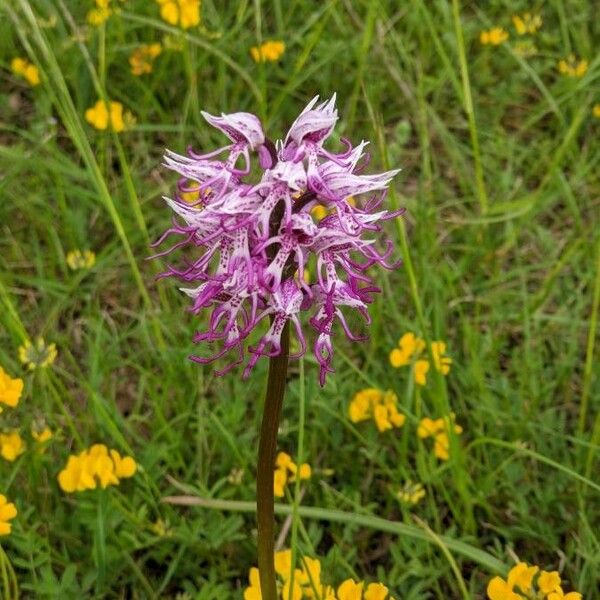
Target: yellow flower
(596, 110)
(268, 51)
(411, 493)
(38, 355)
(11, 445)
(78, 259)
(286, 470)
(142, 58)
(381, 406)
(548, 582)
(571, 67)
(350, 590)
(560, 595)
(494, 36)
(100, 117)
(253, 592)
(26, 70)
(279, 482)
(42, 435)
(521, 575)
(438, 429)
(185, 13)
(442, 363)
(98, 15)
(89, 468)
(125, 466)
(409, 346)
(376, 591)
(498, 589)
(527, 23)
(10, 389)
(428, 427)
(8, 511)
(421, 369)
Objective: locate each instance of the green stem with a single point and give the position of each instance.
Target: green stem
(265, 501)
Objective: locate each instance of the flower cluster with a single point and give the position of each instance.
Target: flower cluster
(142, 58)
(28, 71)
(286, 471)
(521, 577)
(100, 13)
(8, 511)
(10, 389)
(493, 37)
(411, 493)
(527, 23)
(37, 356)
(408, 352)
(270, 51)
(249, 242)
(439, 430)
(11, 445)
(185, 13)
(305, 582)
(81, 259)
(572, 67)
(381, 406)
(97, 465)
(102, 115)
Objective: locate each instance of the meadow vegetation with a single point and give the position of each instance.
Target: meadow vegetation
(460, 440)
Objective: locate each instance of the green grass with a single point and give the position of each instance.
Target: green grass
(501, 251)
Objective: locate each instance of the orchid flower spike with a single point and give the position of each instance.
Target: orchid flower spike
(248, 244)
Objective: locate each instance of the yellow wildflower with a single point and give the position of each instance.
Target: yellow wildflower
(572, 67)
(10, 389)
(279, 482)
(596, 110)
(494, 36)
(38, 355)
(522, 576)
(101, 117)
(421, 369)
(78, 259)
(142, 58)
(98, 15)
(26, 70)
(560, 595)
(350, 590)
(185, 13)
(41, 435)
(498, 589)
(125, 466)
(11, 445)
(548, 582)
(411, 493)
(8, 511)
(442, 363)
(409, 346)
(527, 23)
(253, 592)
(94, 466)
(381, 406)
(376, 591)
(268, 51)
(439, 430)
(286, 470)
